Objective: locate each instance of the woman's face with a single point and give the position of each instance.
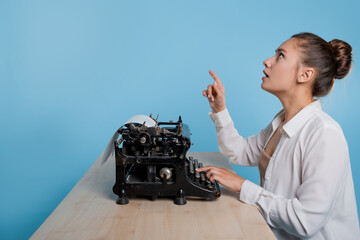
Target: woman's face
(282, 69)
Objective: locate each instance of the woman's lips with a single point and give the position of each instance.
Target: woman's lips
(266, 75)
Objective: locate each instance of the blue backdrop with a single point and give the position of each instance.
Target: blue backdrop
(71, 72)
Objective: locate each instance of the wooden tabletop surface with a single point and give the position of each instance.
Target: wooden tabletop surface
(89, 211)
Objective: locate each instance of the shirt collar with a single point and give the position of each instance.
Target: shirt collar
(296, 122)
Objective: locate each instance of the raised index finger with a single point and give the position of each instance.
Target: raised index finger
(215, 77)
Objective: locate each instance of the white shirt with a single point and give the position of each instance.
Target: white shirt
(308, 190)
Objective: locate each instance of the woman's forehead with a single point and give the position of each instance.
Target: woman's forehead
(288, 46)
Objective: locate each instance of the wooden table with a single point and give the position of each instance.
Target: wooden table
(89, 211)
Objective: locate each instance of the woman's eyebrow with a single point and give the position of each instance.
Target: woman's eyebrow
(280, 49)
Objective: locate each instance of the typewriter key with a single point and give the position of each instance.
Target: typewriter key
(202, 177)
(191, 168)
(196, 164)
(197, 175)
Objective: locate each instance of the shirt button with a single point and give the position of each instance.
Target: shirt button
(267, 178)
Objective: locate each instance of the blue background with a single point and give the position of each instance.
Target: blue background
(72, 72)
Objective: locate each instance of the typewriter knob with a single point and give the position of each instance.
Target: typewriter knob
(144, 139)
(165, 173)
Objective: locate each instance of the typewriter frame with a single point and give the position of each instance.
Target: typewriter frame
(178, 186)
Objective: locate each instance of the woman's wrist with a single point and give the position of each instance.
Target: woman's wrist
(216, 110)
(241, 182)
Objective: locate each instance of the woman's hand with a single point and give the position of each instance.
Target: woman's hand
(224, 177)
(215, 94)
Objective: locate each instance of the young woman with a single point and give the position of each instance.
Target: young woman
(306, 187)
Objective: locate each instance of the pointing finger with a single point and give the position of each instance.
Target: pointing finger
(215, 77)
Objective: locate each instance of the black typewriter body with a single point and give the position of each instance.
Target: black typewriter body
(151, 161)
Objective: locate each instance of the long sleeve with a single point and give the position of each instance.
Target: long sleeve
(240, 151)
(325, 168)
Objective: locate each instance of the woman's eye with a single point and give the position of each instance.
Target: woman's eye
(280, 54)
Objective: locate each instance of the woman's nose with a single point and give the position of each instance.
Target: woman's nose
(267, 63)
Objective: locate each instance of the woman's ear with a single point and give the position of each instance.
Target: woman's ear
(307, 75)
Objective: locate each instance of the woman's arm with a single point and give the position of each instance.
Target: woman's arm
(239, 150)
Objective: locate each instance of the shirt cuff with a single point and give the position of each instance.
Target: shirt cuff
(221, 118)
(250, 192)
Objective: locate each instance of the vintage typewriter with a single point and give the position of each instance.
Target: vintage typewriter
(151, 161)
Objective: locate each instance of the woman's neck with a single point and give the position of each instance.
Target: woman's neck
(293, 105)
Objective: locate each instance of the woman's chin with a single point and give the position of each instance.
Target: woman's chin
(263, 86)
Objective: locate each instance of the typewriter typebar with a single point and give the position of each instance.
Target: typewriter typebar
(151, 161)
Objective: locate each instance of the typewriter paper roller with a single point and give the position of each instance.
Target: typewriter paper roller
(137, 119)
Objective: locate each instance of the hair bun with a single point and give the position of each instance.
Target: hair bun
(343, 57)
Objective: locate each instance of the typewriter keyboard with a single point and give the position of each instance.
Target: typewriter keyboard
(198, 177)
